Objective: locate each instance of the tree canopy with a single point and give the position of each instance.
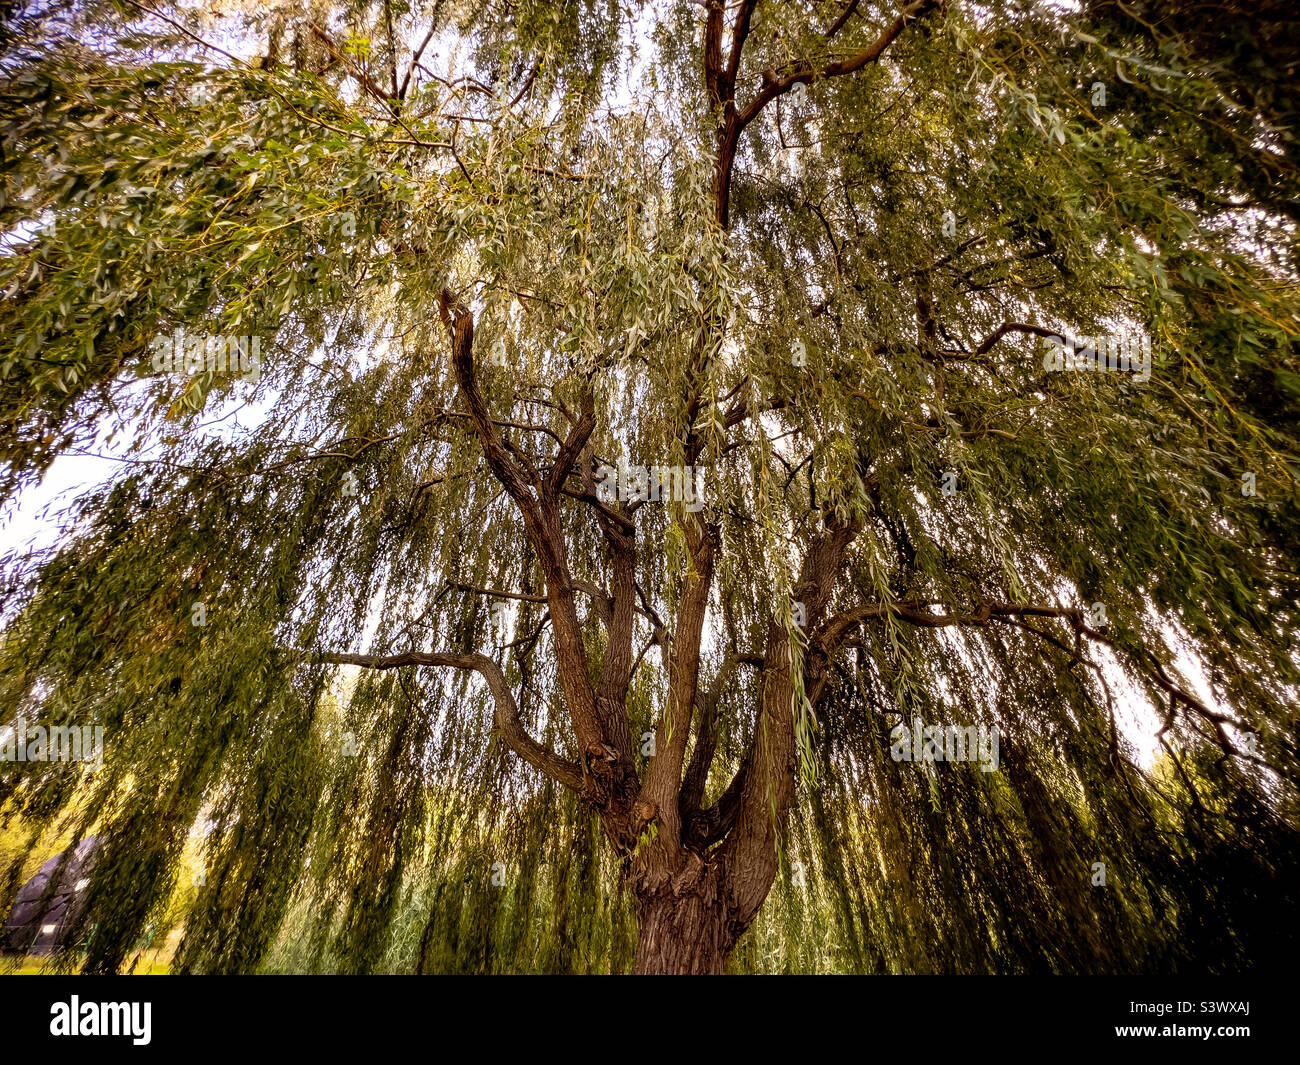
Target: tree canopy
(401, 663)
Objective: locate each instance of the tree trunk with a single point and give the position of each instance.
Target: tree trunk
(682, 935)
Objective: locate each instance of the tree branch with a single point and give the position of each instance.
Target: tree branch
(764, 794)
(739, 34)
(830, 636)
(505, 719)
(774, 86)
(713, 51)
(845, 15)
(1011, 327)
(545, 532)
(460, 328)
(579, 434)
(706, 735)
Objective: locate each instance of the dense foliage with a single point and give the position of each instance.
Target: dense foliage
(811, 247)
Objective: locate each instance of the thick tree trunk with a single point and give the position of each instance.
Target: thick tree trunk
(684, 935)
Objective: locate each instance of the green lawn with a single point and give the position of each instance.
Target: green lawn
(37, 965)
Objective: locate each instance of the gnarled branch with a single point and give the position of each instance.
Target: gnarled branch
(506, 717)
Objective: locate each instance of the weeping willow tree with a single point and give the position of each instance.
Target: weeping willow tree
(561, 452)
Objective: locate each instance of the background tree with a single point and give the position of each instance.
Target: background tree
(812, 249)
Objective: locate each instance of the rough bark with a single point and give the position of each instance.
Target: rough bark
(684, 930)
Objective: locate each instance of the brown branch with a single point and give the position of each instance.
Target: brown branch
(774, 86)
(739, 34)
(375, 91)
(743, 410)
(713, 51)
(415, 56)
(542, 523)
(831, 635)
(528, 84)
(460, 327)
(497, 594)
(1012, 327)
(526, 427)
(734, 121)
(765, 793)
(601, 507)
(505, 719)
(706, 739)
(840, 22)
(663, 779)
(193, 36)
(577, 439)
(703, 828)
(366, 81)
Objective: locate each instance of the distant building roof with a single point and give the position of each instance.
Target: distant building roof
(35, 924)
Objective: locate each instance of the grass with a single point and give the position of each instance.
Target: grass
(150, 964)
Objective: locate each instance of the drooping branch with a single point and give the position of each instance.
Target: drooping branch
(505, 718)
(833, 634)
